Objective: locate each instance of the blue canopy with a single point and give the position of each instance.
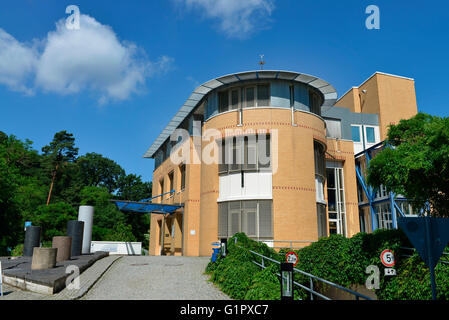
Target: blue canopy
(146, 207)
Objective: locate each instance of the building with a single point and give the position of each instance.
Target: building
(273, 154)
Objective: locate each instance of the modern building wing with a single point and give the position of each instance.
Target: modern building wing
(276, 155)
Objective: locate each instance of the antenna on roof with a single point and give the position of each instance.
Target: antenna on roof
(262, 61)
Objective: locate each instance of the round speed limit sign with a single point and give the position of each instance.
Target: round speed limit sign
(387, 258)
(292, 257)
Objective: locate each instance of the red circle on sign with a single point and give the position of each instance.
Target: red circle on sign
(290, 254)
(387, 258)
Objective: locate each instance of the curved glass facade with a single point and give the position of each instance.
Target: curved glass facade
(273, 93)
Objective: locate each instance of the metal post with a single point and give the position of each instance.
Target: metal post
(430, 258)
(311, 288)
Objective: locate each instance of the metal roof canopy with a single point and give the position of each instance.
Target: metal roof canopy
(328, 91)
(146, 207)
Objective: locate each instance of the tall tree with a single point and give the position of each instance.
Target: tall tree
(59, 151)
(417, 164)
(99, 171)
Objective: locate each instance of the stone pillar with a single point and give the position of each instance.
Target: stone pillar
(44, 258)
(64, 246)
(32, 240)
(86, 214)
(75, 230)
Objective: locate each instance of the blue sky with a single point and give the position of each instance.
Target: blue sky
(157, 52)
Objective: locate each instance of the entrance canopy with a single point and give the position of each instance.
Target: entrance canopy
(146, 207)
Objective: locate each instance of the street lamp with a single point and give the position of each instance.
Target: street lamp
(224, 247)
(286, 281)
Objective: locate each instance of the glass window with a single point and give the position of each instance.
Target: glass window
(170, 181)
(234, 99)
(263, 95)
(182, 169)
(370, 136)
(355, 130)
(223, 101)
(249, 97)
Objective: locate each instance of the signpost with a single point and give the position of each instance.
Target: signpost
(292, 258)
(429, 236)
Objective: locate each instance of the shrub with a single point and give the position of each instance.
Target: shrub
(337, 259)
(18, 250)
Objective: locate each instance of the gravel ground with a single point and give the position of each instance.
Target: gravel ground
(156, 278)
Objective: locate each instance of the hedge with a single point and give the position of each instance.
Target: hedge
(337, 259)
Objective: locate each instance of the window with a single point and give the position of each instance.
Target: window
(321, 216)
(292, 95)
(249, 97)
(161, 184)
(223, 101)
(234, 99)
(370, 136)
(362, 221)
(263, 95)
(314, 103)
(355, 130)
(333, 128)
(384, 216)
(320, 171)
(182, 169)
(245, 153)
(170, 181)
(253, 217)
(336, 201)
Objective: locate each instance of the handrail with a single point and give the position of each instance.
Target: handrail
(408, 256)
(311, 276)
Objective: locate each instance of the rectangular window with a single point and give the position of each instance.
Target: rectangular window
(182, 170)
(223, 101)
(161, 184)
(249, 97)
(223, 220)
(170, 183)
(355, 131)
(234, 99)
(370, 135)
(264, 152)
(333, 128)
(253, 217)
(263, 95)
(292, 96)
(250, 153)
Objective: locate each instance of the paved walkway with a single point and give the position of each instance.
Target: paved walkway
(156, 278)
(136, 278)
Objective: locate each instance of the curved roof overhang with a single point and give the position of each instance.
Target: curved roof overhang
(327, 91)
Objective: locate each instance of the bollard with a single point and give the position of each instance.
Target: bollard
(86, 214)
(75, 230)
(32, 240)
(64, 246)
(44, 258)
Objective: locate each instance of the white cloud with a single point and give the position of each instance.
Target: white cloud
(17, 62)
(70, 61)
(237, 18)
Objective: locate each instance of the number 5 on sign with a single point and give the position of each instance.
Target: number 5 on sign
(387, 258)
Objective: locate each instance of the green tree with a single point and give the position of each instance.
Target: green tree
(57, 153)
(19, 173)
(106, 214)
(53, 219)
(99, 171)
(417, 165)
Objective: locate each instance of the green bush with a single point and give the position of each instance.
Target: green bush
(17, 251)
(337, 259)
